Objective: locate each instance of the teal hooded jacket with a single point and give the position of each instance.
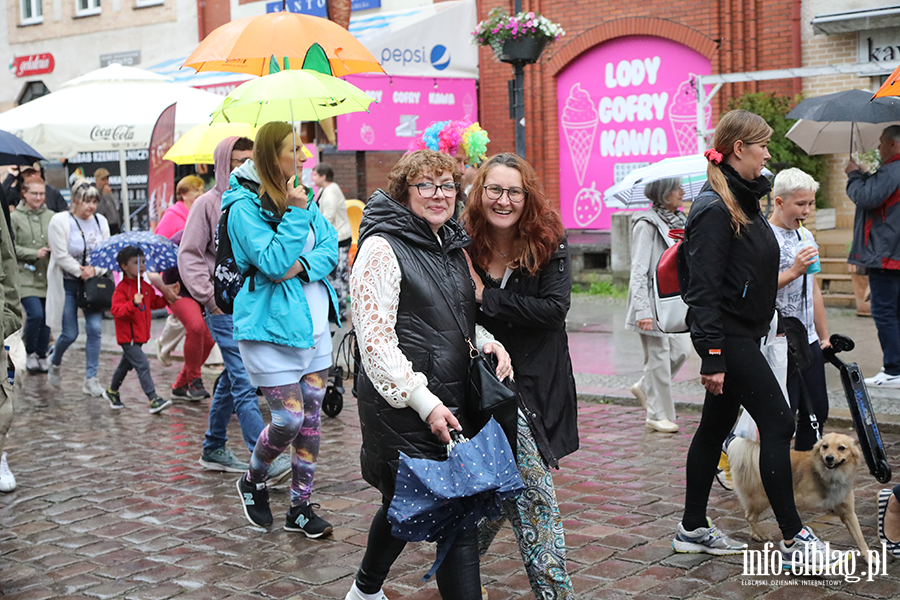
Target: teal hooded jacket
(276, 312)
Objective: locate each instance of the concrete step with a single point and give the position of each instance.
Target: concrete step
(839, 300)
(841, 284)
(836, 266)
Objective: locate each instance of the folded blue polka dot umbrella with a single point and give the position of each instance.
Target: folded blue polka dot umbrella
(434, 500)
(159, 253)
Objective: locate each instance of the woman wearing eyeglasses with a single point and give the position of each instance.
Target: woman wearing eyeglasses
(73, 236)
(412, 297)
(30, 222)
(523, 281)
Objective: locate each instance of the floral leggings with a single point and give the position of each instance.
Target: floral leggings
(535, 519)
(296, 412)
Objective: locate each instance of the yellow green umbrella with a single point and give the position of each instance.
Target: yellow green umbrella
(199, 143)
(291, 95)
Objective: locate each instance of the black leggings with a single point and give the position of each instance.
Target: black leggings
(814, 379)
(458, 577)
(749, 381)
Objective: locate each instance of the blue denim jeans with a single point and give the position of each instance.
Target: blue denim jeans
(234, 394)
(36, 334)
(92, 324)
(885, 302)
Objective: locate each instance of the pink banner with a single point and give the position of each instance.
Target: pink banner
(405, 107)
(625, 104)
(161, 178)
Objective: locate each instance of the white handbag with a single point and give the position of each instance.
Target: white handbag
(670, 309)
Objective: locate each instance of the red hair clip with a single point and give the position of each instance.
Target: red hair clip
(713, 156)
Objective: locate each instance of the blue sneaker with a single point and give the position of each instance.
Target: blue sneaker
(809, 555)
(279, 470)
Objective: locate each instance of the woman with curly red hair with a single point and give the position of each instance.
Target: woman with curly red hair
(523, 282)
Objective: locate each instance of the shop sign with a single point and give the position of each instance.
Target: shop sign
(315, 8)
(622, 105)
(33, 64)
(127, 59)
(878, 45)
(405, 107)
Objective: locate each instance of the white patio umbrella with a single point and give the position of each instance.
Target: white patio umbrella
(113, 108)
(629, 193)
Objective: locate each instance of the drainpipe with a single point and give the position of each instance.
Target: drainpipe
(796, 48)
(200, 32)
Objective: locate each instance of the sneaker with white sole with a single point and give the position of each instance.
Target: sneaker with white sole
(661, 425)
(809, 555)
(157, 405)
(92, 387)
(222, 459)
(32, 363)
(304, 519)
(160, 356)
(355, 594)
(114, 399)
(638, 392)
(54, 377)
(279, 470)
(884, 380)
(43, 364)
(254, 501)
(7, 479)
(706, 540)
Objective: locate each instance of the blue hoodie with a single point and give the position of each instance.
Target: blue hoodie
(276, 312)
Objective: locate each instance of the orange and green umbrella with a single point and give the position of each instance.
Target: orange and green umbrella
(248, 45)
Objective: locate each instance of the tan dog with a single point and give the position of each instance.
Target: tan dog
(823, 481)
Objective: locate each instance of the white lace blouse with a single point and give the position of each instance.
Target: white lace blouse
(375, 289)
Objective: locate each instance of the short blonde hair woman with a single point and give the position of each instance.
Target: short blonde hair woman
(73, 236)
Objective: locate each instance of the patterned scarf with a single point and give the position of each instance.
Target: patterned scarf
(675, 220)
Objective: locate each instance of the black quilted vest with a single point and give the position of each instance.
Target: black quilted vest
(435, 280)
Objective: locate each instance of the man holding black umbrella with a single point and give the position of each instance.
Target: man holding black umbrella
(876, 247)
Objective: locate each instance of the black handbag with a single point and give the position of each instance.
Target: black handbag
(484, 389)
(96, 293)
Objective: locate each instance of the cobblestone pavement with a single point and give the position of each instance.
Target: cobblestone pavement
(112, 504)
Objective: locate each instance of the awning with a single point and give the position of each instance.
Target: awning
(858, 20)
(220, 83)
(430, 41)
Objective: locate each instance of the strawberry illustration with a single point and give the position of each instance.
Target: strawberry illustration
(588, 205)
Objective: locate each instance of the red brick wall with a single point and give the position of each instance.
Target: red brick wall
(737, 36)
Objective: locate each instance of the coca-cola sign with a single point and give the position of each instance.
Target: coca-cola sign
(34, 64)
(112, 134)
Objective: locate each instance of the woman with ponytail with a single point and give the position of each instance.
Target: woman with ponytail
(728, 267)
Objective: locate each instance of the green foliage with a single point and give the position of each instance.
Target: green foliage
(602, 288)
(785, 153)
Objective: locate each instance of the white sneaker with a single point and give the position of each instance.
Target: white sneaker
(44, 364)
(640, 394)
(662, 426)
(884, 380)
(32, 362)
(92, 387)
(7, 479)
(163, 358)
(809, 555)
(54, 377)
(355, 594)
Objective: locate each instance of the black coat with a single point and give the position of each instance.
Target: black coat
(528, 317)
(435, 277)
(728, 281)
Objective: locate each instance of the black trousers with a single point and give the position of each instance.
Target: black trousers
(749, 382)
(814, 379)
(458, 577)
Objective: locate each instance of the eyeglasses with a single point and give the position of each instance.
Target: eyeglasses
(495, 192)
(428, 189)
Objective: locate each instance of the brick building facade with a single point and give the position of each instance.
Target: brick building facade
(734, 35)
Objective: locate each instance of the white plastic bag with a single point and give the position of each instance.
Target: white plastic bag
(775, 351)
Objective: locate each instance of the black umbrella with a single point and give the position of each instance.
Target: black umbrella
(14, 151)
(849, 105)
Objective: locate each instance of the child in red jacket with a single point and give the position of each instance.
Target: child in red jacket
(131, 312)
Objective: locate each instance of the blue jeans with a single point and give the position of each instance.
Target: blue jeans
(234, 394)
(885, 302)
(36, 334)
(92, 324)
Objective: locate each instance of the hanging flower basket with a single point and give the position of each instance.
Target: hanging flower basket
(524, 50)
(518, 39)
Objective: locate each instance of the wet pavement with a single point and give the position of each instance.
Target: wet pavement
(112, 504)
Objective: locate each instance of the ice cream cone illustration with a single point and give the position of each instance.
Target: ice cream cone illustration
(579, 120)
(683, 116)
